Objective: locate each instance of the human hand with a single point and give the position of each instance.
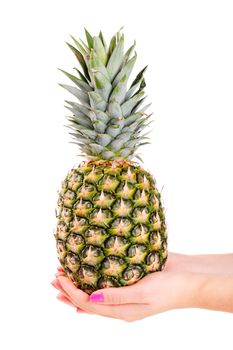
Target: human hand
(175, 287)
(149, 296)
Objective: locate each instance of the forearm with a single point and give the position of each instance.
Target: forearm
(209, 263)
(209, 291)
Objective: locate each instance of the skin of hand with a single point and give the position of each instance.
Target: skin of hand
(175, 287)
(208, 263)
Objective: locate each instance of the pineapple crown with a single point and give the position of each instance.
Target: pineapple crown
(108, 119)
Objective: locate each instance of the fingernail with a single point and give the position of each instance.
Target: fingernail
(96, 297)
(59, 268)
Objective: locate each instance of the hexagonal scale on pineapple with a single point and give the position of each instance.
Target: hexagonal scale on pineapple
(114, 169)
(84, 168)
(108, 282)
(75, 243)
(140, 234)
(75, 180)
(88, 275)
(95, 235)
(113, 266)
(66, 215)
(100, 217)
(132, 274)
(62, 230)
(125, 190)
(61, 249)
(129, 175)
(103, 200)
(141, 198)
(63, 187)
(152, 262)
(122, 207)
(155, 221)
(108, 183)
(86, 191)
(155, 240)
(69, 198)
(72, 262)
(121, 227)
(83, 208)
(59, 206)
(78, 224)
(136, 253)
(116, 245)
(94, 175)
(143, 182)
(141, 215)
(154, 201)
(92, 255)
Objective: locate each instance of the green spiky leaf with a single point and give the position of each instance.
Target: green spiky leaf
(97, 101)
(81, 95)
(79, 108)
(128, 53)
(81, 76)
(79, 46)
(116, 59)
(103, 41)
(96, 65)
(128, 106)
(125, 71)
(110, 117)
(102, 85)
(89, 39)
(100, 49)
(112, 46)
(96, 147)
(103, 139)
(81, 60)
(79, 82)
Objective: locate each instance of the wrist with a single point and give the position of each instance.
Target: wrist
(208, 291)
(191, 293)
(174, 290)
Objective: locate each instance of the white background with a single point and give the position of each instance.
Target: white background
(188, 46)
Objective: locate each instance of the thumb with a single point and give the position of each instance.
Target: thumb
(120, 295)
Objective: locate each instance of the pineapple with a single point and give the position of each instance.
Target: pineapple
(111, 228)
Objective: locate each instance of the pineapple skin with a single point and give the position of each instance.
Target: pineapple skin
(111, 228)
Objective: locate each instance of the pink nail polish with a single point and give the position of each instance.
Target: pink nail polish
(96, 297)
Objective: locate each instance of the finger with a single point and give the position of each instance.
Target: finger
(126, 312)
(81, 300)
(57, 285)
(59, 268)
(122, 295)
(78, 297)
(60, 273)
(65, 300)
